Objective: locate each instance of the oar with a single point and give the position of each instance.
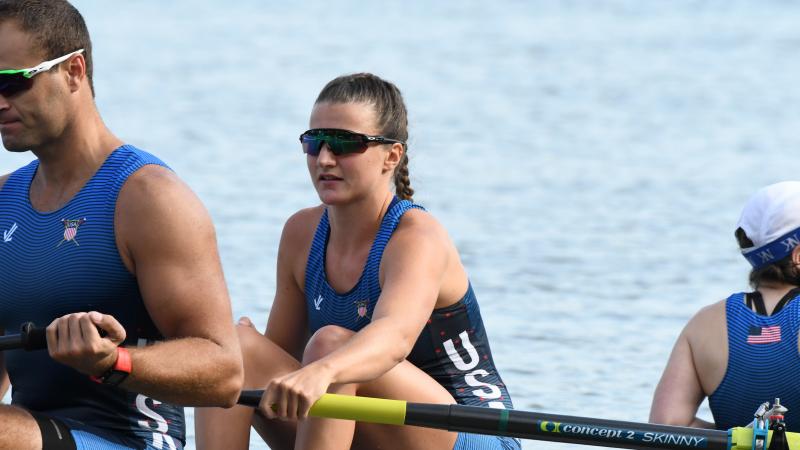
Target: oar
(29, 338)
(526, 425)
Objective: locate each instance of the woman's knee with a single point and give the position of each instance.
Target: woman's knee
(262, 358)
(325, 341)
(249, 340)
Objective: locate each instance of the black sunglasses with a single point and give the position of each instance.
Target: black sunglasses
(341, 142)
(14, 84)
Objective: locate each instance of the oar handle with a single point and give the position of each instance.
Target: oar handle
(33, 337)
(335, 406)
(250, 398)
(29, 338)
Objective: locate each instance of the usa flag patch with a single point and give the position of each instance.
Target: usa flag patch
(763, 335)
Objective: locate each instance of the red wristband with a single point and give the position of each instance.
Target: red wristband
(119, 371)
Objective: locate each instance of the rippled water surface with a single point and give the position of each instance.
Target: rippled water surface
(589, 158)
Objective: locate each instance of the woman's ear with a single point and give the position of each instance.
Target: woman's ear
(796, 256)
(393, 157)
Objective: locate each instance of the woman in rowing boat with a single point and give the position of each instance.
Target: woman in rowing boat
(372, 298)
(743, 351)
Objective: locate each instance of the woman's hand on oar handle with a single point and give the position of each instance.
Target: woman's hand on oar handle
(290, 396)
(75, 340)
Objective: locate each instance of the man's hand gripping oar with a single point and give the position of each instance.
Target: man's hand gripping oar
(87, 342)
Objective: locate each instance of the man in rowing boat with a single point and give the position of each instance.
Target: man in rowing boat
(106, 245)
(743, 351)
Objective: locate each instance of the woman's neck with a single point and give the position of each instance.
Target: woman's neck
(355, 223)
(773, 293)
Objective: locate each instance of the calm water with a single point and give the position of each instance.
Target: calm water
(589, 158)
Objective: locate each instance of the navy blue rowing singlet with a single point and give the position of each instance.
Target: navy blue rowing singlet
(453, 347)
(66, 261)
(763, 363)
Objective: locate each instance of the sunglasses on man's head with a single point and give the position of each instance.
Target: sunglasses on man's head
(341, 142)
(14, 81)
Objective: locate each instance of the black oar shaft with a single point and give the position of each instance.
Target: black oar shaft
(567, 429)
(250, 398)
(11, 342)
(30, 338)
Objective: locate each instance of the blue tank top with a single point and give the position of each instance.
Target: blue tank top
(453, 347)
(67, 261)
(763, 364)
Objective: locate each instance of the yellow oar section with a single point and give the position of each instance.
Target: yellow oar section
(742, 439)
(362, 409)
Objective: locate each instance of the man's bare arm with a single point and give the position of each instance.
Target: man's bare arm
(167, 237)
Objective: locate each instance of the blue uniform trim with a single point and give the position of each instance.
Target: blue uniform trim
(92, 438)
(65, 261)
(471, 441)
(88, 441)
(762, 362)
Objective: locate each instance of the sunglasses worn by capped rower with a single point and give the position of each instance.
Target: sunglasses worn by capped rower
(15, 81)
(341, 142)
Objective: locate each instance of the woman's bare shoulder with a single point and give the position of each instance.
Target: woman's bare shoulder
(300, 226)
(708, 321)
(306, 216)
(417, 221)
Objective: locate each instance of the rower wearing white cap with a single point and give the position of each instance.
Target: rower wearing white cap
(743, 351)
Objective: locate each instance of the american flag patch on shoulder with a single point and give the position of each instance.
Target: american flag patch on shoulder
(763, 335)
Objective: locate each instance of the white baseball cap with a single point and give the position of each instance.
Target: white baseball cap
(771, 220)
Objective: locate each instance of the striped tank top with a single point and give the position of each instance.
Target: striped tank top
(66, 261)
(763, 363)
(453, 348)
